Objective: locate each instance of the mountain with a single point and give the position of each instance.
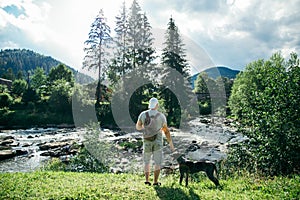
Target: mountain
(215, 72)
(26, 60)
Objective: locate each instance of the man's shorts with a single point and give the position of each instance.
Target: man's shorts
(153, 147)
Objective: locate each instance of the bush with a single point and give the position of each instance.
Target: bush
(82, 162)
(19, 86)
(265, 99)
(60, 98)
(5, 100)
(205, 108)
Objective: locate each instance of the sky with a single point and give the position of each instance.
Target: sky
(230, 33)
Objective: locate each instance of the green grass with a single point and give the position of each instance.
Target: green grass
(67, 185)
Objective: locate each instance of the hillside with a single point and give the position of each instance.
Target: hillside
(215, 72)
(26, 60)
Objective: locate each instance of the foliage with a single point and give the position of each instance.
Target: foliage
(5, 100)
(20, 75)
(265, 100)
(30, 95)
(134, 51)
(61, 72)
(102, 151)
(174, 60)
(139, 96)
(3, 88)
(202, 85)
(16, 61)
(212, 93)
(60, 98)
(19, 86)
(136, 145)
(173, 55)
(96, 49)
(42, 102)
(9, 74)
(119, 64)
(39, 80)
(133, 57)
(31, 116)
(61, 80)
(139, 38)
(71, 185)
(82, 162)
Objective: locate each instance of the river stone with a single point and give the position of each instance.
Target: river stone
(6, 142)
(53, 145)
(5, 154)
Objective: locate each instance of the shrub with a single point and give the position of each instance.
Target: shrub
(5, 100)
(19, 86)
(82, 162)
(265, 99)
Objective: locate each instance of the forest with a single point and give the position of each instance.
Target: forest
(21, 63)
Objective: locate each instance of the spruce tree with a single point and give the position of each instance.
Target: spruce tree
(173, 58)
(119, 64)
(96, 49)
(140, 40)
(132, 44)
(173, 55)
(132, 59)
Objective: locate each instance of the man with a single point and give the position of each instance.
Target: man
(154, 147)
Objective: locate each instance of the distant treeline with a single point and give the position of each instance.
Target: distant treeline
(20, 63)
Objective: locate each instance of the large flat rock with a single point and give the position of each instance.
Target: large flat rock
(5, 154)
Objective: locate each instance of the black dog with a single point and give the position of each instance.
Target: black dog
(187, 166)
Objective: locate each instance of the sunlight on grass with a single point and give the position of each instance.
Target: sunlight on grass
(69, 185)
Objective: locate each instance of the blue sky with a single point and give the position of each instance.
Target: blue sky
(219, 32)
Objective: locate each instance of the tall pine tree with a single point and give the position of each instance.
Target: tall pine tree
(140, 40)
(96, 49)
(173, 55)
(173, 58)
(133, 56)
(119, 64)
(133, 42)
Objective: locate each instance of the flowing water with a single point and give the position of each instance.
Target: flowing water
(28, 140)
(212, 143)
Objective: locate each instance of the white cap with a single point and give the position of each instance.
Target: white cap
(152, 103)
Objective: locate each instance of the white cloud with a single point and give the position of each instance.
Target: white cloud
(229, 32)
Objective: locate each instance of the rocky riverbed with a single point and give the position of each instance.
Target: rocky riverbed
(27, 150)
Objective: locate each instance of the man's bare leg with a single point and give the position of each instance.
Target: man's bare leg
(147, 172)
(156, 173)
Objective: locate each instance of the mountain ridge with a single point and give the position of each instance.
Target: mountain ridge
(28, 60)
(215, 72)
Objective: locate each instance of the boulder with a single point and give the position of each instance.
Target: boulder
(5, 154)
(4, 147)
(20, 152)
(53, 145)
(6, 142)
(193, 147)
(8, 137)
(64, 150)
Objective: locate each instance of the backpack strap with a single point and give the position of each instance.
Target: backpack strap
(148, 119)
(155, 116)
(147, 114)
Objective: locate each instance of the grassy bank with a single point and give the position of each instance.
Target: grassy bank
(62, 185)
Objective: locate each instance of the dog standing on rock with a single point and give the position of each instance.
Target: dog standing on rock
(189, 167)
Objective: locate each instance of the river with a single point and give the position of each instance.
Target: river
(28, 140)
(211, 142)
